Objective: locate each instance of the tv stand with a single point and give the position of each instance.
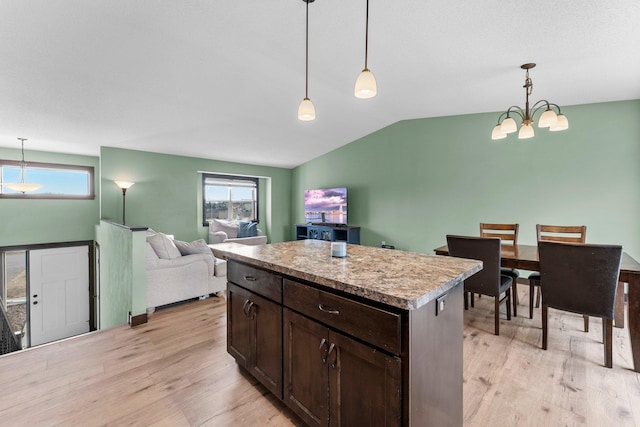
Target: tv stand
(329, 232)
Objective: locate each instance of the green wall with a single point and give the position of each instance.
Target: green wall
(167, 195)
(31, 221)
(414, 182)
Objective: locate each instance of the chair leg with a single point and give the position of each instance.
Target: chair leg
(585, 318)
(472, 299)
(532, 289)
(607, 328)
(514, 297)
(545, 321)
(466, 300)
(538, 295)
(508, 299)
(497, 314)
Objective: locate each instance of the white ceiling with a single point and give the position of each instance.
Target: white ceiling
(223, 79)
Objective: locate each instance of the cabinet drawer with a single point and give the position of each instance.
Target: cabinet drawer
(261, 282)
(375, 326)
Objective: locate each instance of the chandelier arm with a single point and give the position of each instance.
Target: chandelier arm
(515, 109)
(544, 103)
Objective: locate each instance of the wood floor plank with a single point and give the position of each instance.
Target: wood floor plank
(175, 371)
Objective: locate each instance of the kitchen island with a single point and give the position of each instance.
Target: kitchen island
(374, 338)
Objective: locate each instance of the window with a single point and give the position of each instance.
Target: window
(229, 197)
(59, 181)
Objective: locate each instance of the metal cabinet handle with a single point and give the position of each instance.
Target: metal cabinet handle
(250, 278)
(327, 310)
(251, 310)
(244, 307)
(323, 354)
(332, 347)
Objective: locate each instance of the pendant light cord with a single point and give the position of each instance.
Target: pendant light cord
(366, 39)
(306, 69)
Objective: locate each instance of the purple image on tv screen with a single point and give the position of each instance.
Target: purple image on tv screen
(326, 205)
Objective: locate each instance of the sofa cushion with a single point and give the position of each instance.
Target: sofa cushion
(220, 267)
(196, 247)
(229, 227)
(247, 229)
(163, 246)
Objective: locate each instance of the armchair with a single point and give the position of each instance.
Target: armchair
(224, 231)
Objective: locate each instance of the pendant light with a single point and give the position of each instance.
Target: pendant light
(21, 186)
(306, 110)
(548, 119)
(366, 86)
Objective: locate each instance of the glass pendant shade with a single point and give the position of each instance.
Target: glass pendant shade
(561, 124)
(526, 131)
(548, 118)
(306, 110)
(366, 86)
(509, 125)
(22, 187)
(498, 133)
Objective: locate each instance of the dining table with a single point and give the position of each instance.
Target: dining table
(525, 257)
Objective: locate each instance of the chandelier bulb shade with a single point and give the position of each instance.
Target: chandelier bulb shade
(22, 186)
(306, 110)
(366, 86)
(551, 116)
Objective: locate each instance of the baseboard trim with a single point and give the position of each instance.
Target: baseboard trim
(140, 319)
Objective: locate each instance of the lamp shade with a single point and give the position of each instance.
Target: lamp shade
(22, 187)
(306, 110)
(125, 185)
(548, 118)
(509, 125)
(497, 133)
(526, 131)
(561, 124)
(366, 86)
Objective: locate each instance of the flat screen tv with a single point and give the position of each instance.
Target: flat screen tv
(326, 205)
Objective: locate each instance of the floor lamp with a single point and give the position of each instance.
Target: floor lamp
(123, 185)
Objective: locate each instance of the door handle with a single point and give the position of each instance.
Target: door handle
(244, 307)
(323, 354)
(332, 348)
(251, 310)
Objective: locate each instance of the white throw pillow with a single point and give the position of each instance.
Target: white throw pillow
(229, 227)
(195, 247)
(164, 246)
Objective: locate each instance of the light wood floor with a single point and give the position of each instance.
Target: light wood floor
(175, 371)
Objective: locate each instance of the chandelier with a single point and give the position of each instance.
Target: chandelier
(21, 186)
(548, 119)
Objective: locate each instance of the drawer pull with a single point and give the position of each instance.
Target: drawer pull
(327, 310)
(250, 278)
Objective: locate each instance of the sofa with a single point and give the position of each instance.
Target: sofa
(244, 232)
(175, 274)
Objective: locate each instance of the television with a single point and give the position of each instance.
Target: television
(326, 205)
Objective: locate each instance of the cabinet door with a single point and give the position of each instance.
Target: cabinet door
(238, 324)
(306, 382)
(265, 362)
(365, 384)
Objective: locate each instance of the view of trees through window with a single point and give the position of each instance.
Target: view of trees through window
(230, 197)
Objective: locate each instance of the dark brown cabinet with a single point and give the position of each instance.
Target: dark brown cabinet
(254, 335)
(331, 379)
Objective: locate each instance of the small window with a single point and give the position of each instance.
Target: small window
(229, 197)
(58, 181)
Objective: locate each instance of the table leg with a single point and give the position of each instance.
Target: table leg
(618, 310)
(634, 319)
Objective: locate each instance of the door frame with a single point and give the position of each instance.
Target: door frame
(92, 272)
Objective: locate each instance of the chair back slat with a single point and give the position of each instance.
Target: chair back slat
(487, 250)
(581, 278)
(507, 233)
(561, 233)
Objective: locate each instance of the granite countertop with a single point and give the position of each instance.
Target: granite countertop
(406, 280)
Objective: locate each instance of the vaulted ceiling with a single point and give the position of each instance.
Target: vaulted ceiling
(223, 79)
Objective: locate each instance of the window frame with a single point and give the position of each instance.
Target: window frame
(41, 165)
(253, 179)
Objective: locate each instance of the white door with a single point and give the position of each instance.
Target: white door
(59, 293)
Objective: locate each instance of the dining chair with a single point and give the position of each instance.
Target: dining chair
(487, 281)
(508, 235)
(580, 278)
(554, 233)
